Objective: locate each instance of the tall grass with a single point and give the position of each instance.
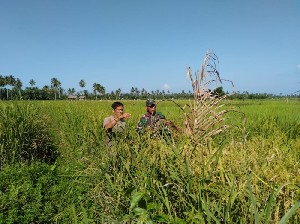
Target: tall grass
(24, 135)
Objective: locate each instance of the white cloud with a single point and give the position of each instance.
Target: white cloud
(298, 66)
(167, 86)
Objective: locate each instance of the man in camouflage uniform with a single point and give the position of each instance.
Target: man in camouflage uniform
(154, 121)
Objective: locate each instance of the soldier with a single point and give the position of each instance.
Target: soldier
(115, 124)
(154, 121)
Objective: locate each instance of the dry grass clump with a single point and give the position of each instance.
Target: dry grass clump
(206, 116)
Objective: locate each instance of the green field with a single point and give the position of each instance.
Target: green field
(55, 167)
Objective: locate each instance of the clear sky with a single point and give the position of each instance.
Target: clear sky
(148, 44)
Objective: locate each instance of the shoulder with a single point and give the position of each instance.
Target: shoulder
(160, 115)
(145, 116)
(107, 120)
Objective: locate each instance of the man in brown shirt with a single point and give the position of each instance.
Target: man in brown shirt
(115, 123)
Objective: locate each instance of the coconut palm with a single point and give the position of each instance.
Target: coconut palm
(101, 90)
(118, 93)
(95, 87)
(55, 84)
(9, 80)
(32, 82)
(82, 84)
(71, 91)
(98, 88)
(18, 84)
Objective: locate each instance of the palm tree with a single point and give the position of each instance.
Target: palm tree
(101, 90)
(82, 83)
(32, 82)
(55, 84)
(71, 91)
(98, 88)
(95, 87)
(118, 93)
(18, 84)
(9, 80)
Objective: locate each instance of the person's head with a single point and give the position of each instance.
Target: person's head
(151, 106)
(118, 108)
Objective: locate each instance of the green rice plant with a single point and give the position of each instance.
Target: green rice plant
(234, 177)
(42, 193)
(23, 135)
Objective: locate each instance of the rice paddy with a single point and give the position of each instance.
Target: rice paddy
(55, 167)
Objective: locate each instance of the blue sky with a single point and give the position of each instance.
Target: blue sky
(148, 44)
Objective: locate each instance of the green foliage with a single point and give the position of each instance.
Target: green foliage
(40, 193)
(245, 175)
(23, 135)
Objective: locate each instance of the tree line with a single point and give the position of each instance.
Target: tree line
(11, 89)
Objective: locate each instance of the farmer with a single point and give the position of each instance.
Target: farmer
(115, 124)
(155, 122)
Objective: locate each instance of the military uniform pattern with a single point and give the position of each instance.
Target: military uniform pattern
(152, 122)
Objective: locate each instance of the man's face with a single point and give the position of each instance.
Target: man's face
(151, 109)
(119, 111)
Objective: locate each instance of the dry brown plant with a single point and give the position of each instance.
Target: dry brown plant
(205, 116)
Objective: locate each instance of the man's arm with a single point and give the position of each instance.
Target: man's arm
(110, 122)
(141, 125)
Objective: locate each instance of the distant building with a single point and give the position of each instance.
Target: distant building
(72, 97)
(81, 97)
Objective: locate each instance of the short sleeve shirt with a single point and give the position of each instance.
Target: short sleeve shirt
(119, 127)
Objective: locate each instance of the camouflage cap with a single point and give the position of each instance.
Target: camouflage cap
(149, 103)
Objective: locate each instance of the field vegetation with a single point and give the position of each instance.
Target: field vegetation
(246, 174)
(232, 161)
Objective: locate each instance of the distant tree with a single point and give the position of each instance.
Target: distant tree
(98, 88)
(82, 84)
(118, 93)
(144, 93)
(134, 93)
(219, 91)
(95, 89)
(2, 84)
(9, 80)
(55, 84)
(71, 91)
(153, 94)
(46, 92)
(32, 82)
(85, 93)
(101, 90)
(18, 84)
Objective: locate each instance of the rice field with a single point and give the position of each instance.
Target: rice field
(55, 167)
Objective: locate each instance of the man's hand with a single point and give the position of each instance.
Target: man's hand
(125, 115)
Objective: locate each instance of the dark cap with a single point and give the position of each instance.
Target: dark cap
(149, 103)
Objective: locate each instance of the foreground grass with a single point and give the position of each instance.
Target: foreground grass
(249, 174)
